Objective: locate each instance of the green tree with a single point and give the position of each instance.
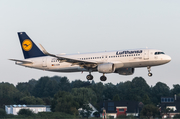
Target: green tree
(45, 87)
(98, 88)
(77, 84)
(140, 88)
(31, 100)
(9, 94)
(26, 87)
(146, 99)
(83, 95)
(63, 83)
(80, 84)
(64, 102)
(160, 90)
(176, 89)
(116, 98)
(25, 112)
(2, 113)
(124, 90)
(109, 91)
(134, 90)
(47, 100)
(150, 111)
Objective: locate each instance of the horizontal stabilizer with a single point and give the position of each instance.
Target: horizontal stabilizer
(24, 62)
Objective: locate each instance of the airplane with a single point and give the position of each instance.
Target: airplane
(122, 62)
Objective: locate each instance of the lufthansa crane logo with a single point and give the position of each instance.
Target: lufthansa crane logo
(27, 45)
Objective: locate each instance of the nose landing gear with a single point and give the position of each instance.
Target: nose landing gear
(149, 70)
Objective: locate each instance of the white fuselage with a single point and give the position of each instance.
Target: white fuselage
(120, 59)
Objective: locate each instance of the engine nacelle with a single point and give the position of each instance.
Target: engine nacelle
(125, 71)
(106, 68)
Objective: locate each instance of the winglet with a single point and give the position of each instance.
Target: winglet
(44, 51)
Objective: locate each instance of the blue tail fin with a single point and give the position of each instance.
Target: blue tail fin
(29, 48)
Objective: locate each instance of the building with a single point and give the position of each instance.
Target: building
(117, 108)
(14, 109)
(169, 106)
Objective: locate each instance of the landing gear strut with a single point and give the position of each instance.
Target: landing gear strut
(103, 78)
(149, 70)
(89, 77)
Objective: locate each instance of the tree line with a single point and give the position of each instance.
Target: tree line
(65, 96)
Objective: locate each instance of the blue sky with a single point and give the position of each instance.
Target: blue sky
(71, 26)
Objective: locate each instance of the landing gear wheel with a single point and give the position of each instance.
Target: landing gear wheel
(149, 74)
(89, 77)
(149, 70)
(103, 78)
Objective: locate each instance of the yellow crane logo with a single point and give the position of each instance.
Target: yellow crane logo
(27, 45)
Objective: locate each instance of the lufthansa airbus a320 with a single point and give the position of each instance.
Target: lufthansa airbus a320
(122, 62)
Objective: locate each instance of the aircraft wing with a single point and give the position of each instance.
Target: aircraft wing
(82, 63)
(23, 61)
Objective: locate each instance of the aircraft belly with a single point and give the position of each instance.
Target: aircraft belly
(143, 63)
(136, 64)
(68, 69)
(157, 62)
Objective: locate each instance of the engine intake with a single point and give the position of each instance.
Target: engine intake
(106, 68)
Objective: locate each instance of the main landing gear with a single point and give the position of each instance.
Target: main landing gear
(149, 70)
(90, 77)
(103, 78)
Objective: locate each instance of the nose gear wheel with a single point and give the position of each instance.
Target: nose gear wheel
(149, 70)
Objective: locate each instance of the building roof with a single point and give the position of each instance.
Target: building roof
(7, 106)
(48, 106)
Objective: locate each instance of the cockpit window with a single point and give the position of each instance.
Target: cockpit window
(158, 53)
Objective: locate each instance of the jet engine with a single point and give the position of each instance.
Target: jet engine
(125, 71)
(106, 68)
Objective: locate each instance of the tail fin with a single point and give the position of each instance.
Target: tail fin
(29, 48)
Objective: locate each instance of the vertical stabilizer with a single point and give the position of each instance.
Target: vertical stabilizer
(29, 48)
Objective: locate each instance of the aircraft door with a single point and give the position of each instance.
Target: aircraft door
(44, 62)
(146, 54)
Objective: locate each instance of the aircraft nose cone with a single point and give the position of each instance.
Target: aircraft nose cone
(168, 58)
